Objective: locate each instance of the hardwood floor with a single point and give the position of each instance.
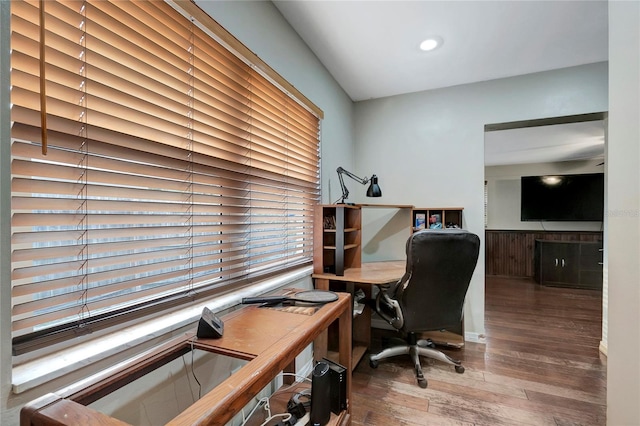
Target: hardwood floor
(540, 366)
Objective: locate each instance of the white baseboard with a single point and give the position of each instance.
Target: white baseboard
(377, 322)
(603, 348)
(475, 337)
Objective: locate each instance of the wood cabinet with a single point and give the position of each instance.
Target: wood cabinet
(336, 238)
(510, 253)
(568, 264)
(436, 217)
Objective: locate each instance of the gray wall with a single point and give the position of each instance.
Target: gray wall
(428, 148)
(622, 246)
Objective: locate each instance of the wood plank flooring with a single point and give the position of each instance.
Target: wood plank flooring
(540, 366)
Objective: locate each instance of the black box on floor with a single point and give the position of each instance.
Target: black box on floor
(338, 379)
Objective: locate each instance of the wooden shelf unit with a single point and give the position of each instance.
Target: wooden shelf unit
(336, 238)
(450, 217)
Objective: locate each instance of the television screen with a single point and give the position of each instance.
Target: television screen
(562, 197)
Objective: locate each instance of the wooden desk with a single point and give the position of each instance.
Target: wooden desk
(368, 275)
(269, 339)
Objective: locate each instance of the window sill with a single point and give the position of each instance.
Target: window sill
(39, 371)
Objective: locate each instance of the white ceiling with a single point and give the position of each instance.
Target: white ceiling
(559, 142)
(371, 49)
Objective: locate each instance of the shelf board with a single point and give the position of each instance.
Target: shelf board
(387, 206)
(346, 247)
(358, 350)
(345, 230)
(357, 353)
(439, 208)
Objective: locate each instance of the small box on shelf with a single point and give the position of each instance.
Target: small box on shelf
(420, 221)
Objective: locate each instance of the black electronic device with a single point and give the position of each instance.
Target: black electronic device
(338, 385)
(209, 326)
(320, 394)
(575, 197)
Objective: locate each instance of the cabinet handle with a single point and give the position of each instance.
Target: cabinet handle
(600, 263)
(556, 261)
(563, 263)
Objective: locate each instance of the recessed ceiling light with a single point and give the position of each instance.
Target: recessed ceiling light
(431, 43)
(551, 180)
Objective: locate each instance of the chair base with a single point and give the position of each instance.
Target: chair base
(415, 349)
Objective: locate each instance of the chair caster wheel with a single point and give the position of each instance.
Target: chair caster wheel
(459, 369)
(422, 383)
(373, 363)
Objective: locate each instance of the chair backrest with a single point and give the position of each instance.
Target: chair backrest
(440, 263)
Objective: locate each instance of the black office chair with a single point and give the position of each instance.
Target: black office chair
(430, 296)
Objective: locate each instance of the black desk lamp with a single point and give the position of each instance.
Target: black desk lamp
(373, 190)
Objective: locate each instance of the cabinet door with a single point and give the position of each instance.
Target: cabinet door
(559, 263)
(591, 265)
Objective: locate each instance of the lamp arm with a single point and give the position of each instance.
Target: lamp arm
(345, 191)
(363, 181)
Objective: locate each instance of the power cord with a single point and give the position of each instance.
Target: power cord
(287, 418)
(265, 401)
(193, 373)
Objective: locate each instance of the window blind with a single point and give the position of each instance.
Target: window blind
(174, 169)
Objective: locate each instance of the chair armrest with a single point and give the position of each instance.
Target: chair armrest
(389, 308)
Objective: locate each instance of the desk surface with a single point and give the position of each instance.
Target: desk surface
(269, 339)
(370, 273)
(251, 330)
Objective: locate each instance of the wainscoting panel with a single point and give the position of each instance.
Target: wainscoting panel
(510, 253)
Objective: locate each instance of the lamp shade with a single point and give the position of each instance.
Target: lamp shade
(374, 189)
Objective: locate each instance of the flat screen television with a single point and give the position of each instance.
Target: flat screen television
(577, 197)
